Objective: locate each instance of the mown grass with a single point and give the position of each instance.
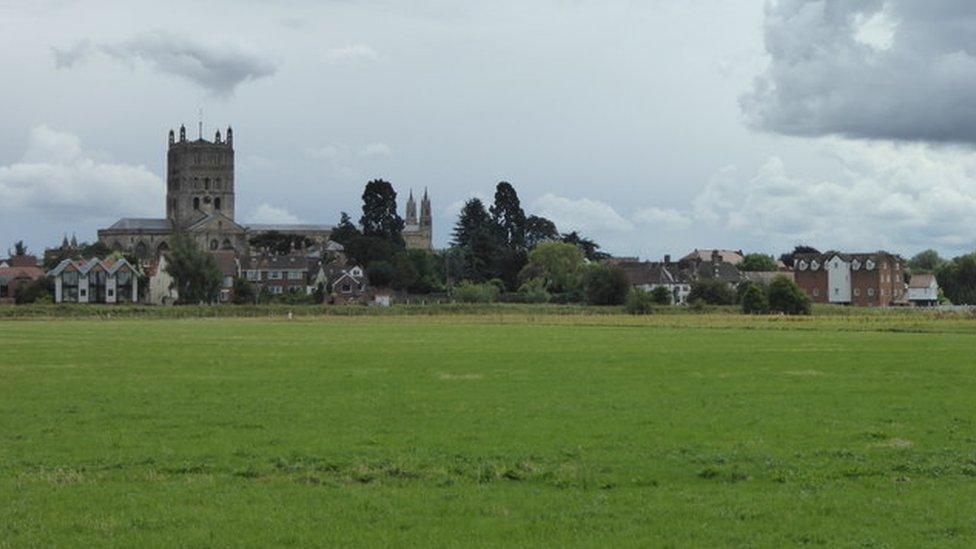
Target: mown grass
(501, 429)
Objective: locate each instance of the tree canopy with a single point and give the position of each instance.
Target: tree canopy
(195, 272)
(925, 262)
(758, 263)
(957, 278)
(380, 218)
(557, 264)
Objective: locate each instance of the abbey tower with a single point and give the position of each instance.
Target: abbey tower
(199, 178)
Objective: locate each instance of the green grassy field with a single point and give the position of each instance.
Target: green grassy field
(488, 430)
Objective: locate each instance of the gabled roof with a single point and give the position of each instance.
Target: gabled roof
(209, 218)
(135, 223)
(647, 273)
(729, 256)
(922, 281)
(84, 266)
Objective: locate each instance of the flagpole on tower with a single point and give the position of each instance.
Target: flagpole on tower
(201, 122)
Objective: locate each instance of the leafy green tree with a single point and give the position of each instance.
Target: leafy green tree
(558, 264)
(508, 215)
(428, 271)
(405, 274)
(711, 291)
(533, 291)
(591, 250)
(244, 292)
(639, 302)
(475, 235)
(787, 298)
(366, 249)
(661, 295)
(758, 263)
(787, 258)
(928, 261)
(20, 249)
(957, 278)
(380, 218)
(754, 300)
(195, 272)
(345, 231)
(38, 291)
(606, 285)
(380, 273)
(539, 229)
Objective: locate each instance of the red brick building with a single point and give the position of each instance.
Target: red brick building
(860, 279)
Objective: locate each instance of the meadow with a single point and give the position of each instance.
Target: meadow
(489, 430)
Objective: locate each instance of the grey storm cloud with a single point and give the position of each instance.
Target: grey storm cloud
(216, 67)
(876, 69)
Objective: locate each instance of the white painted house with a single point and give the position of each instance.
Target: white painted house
(923, 290)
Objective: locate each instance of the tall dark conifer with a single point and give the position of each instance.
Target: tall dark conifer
(380, 218)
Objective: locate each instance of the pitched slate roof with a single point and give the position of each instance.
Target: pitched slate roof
(647, 273)
(729, 256)
(135, 223)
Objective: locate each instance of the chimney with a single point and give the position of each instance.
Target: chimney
(716, 256)
(667, 258)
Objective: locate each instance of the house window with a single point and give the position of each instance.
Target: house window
(294, 275)
(277, 289)
(816, 292)
(274, 275)
(213, 244)
(254, 275)
(857, 292)
(870, 292)
(111, 292)
(346, 288)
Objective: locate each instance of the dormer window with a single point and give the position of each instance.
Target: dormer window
(856, 265)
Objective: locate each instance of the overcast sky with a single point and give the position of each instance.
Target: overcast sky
(653, 126)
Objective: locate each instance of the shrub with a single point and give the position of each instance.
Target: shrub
(754, 300)
(787, 298)
(468, 292)
(606, 285)
(711, 291)
(661, 295)
(533, 291)
(640, 302)
(244, 292)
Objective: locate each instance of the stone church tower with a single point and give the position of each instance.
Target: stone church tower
(199, 178)
(418, 233)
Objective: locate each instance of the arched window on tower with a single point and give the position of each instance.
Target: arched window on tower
(217, 203)
(196, 202)
(227, 245)
(206, 183)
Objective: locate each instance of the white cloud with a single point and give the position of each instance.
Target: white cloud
(217, 67)
(583, 214)
(875, 69)
(354, 52)
(663, 218)
(266, 213)
(885, 195)
(58, 180)
(377, 149)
